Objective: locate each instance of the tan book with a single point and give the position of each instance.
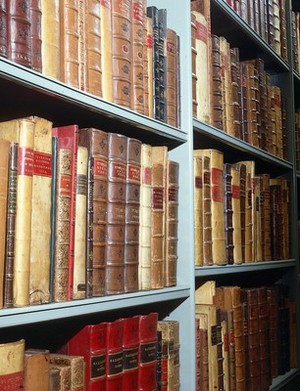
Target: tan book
(147, 98)
(257, 184)
(40, 213)
(145, 217)
(79, 280)
(72, 370)
(36, 370)
(236, 215)
(51, 38)
(69, 42)
(198, 211)
(171, 67)
(265, 217)
(217, 203)
(194, 59)
(21, 131)
(12, 365)
(4, 163)
(150, 65)
(202, 71)
(106, 49)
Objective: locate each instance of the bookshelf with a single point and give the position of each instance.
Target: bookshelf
(28, 92)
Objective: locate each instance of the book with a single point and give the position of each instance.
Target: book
(114, 355)
(194, 60)
(236, 212)
(4, 195)
(171, 72)
(54, 379)
(63, 376)
(73, 367)
(21, 131)
(198, 210)
(36, 35)
(36, 370)
(3, 30)
(79, 270)
(130, 353)
(115, 228)
(149, 71)
(90, 342)
(132, 215)
(162, 61)
(96, 142)
(106, 49)
(145, 218)
(12, 365)
(216, 104)
(272, 300)
(228, 214)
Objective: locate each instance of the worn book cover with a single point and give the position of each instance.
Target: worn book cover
(12, 365)
(36, 370)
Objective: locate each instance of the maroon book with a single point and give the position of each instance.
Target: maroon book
(131, 354)
(3, 29)
(90, 342)
(114, 357)
(147, 351)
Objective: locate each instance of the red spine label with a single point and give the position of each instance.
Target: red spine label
(157, 198)
(25, 161)
(100, 168)
(217, 184)
(134, 173)
(147, 176)
(106, 3)
(42, 164)
(235, 192)
(11, 381)
(149, 41)
(138, 12)
(173, 194)
(201, 32)
(117, 170)
(65, 185)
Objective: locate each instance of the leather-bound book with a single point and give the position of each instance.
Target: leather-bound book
(236, 214)
(36, 370)
(243, 10)
(69, 42)
(106, 49)
(162, 61)
(256, 11)
(227, 317)
(272, 299)
(293, 358)
(36, 35)
(194, 61)
(228, 213)
(130, 353)
(145, 218)
(63, 380)
(257, 232)
(21, 131)
(284, 127)
(270, 22)
(79, 269)
(203, 355)
(90, 342)
(262, 19)
(18, 32)
(8, 297)
(53, 214)
(115, 228)
(283, 330)
(132, 215)
(278, 121)
(250, 13)
(202, 64)
(171, 223)
(160, 358)
(286, 224)
(171, 76)
(198, 355)
(121, 52)
(217, 203)
(265, 217)
(138, 18)
(240, 202)
(216, 84)
(146, 74)
(277, 27)
(3, 29)
(225, 348)
(206, 210)
(271, 130)
(65, 210)
(51, 38)
(198, 210)
(96, 142)
(114, 355)
(73, 366)
(4, 197)
(147, 351)
(12, 365)
(283, 30)
(236, 91)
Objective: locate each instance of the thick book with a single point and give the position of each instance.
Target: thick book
(130, 353)
(36, 370)
(115, 228)
(132, 215)
(172, 52)
(228, 212)
(4, 196)
(237, 213)
(3, 30)
(106, 49)
(236, 91)
(36, 35)
(194, 61)
(114, 355)
(162, 60)
(97, 144)
(216, 103)
(18, 33)
(145, 218)
(8, 296)
(21, 131)
(73, 365)
(149, 89)
(272, 300)
(91, 343)
(12, 365)
(198, 210)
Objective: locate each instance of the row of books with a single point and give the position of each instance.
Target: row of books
(267, 18)
(235, 96)
(122, 51)
(245, 337)
(84, 213)
(296, 40)
(129, 354)
(240, 216)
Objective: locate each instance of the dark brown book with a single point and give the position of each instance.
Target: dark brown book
(283, 330)
(227, 315)
(228, 213)
(3, 28)
(265, 217)
(216, 94)
(203, 347)
(250, 14)
(115, 228)
(132, 218)
(162, 61)
(18, 32)
(262, 19)
(96, 142)
(272, 299)
(256, 12)
(36, 35)
(283, 30)
(121, 51)
(270, 22)
(172, 222)
(194, 58)
(236, 91)
(10, 226)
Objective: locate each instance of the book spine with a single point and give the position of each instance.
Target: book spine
(216, 95)
(270, 22)
(272, 299)
(198, 215)
(18, 32)
(283, 30)
(162, 37)
(236, 215)
(277, 27)
(115, 230)
(3, 29)
(130, 352)
(114, 355)
(121, 51)
(228, 213)
(206, 211)
(194, 62)
(146, 73)
(132, 217)
(171, 76)
(106, 49)
(236, 87)
(90, 244)
(36, 35)
(36, 370)
(12, 365)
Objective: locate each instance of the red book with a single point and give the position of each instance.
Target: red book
(131, 354)
(114, 357)
(90, 342)
(68, 140)
(147, 351)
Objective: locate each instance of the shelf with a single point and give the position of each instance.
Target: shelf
(234, 149)
(206, 271)
(45, 312)
(225, 21)
(283, 380)
(25, 88)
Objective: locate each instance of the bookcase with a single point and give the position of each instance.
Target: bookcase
(26, 92)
